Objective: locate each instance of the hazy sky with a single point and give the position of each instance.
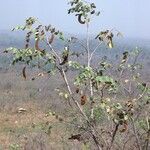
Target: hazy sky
(131, 17)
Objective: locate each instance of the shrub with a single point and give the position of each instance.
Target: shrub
(115, 94)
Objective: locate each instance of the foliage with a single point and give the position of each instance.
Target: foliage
(14, 147)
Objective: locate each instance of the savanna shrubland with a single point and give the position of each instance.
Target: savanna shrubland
(109, 101)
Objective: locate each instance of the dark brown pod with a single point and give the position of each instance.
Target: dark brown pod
(75, 137)
(65, 58)
(92, 12)
(80, 19)
(77, 90)
(24, 72)
(83, 99)
(26, 46)
(125, 56)
(51, 39)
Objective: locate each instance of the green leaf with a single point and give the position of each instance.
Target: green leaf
(104, 79)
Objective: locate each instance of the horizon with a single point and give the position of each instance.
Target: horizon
(129, 17)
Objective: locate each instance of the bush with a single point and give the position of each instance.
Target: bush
(106, 92)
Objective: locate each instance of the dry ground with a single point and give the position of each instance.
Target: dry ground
(33, 129)
(37, 127)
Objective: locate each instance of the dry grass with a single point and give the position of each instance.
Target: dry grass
(29, 128)
(12, 124)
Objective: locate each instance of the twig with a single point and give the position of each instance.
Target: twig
(95, 49)
(148, 134)
(141, 95)
(113, 136)
(135, 134)
(124, 145)
(69, 89)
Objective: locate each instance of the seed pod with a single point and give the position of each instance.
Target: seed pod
(77, 90)
(83, 99)
(80, 19)
(52, 30)
(37, 45)
(144, 84)
(28, 39)
(93, 5)
(65, 60)
(125, 57)
(106, 36)
(24, 72)
(75, 137)
(65, 57)
(42, 32)
(47, 28)
(56, 32)
(26, 46)
(92, 12)
(51, 39)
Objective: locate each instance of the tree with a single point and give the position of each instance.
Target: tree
(93, 91)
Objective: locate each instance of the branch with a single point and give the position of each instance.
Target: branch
(81, 111)
(148, 134)
(87, 44)
(141, 95)
(135, 134)
(114, 135)
(95, 49)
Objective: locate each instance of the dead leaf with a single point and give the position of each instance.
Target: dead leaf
(83, 99)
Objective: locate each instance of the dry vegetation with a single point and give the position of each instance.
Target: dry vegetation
(33, 116)
(27, 117)
(94, 101)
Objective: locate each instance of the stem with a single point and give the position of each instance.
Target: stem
(89, 64)
(87, 44)
(50, 46)
(114, 135)
(143, 93)
(147, 140)
(136, 135)
(124, 144)
(92, 102)
(95, 49)
(70, 91)
(96, 142)
(81, 111)
(82, 45)
(71, 94)
(90, 58)
(148, 134)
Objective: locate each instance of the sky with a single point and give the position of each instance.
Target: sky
(131, 17)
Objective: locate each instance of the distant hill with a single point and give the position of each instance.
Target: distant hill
(9, 38)
(17, 39)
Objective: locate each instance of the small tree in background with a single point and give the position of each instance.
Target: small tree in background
(108, 98)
